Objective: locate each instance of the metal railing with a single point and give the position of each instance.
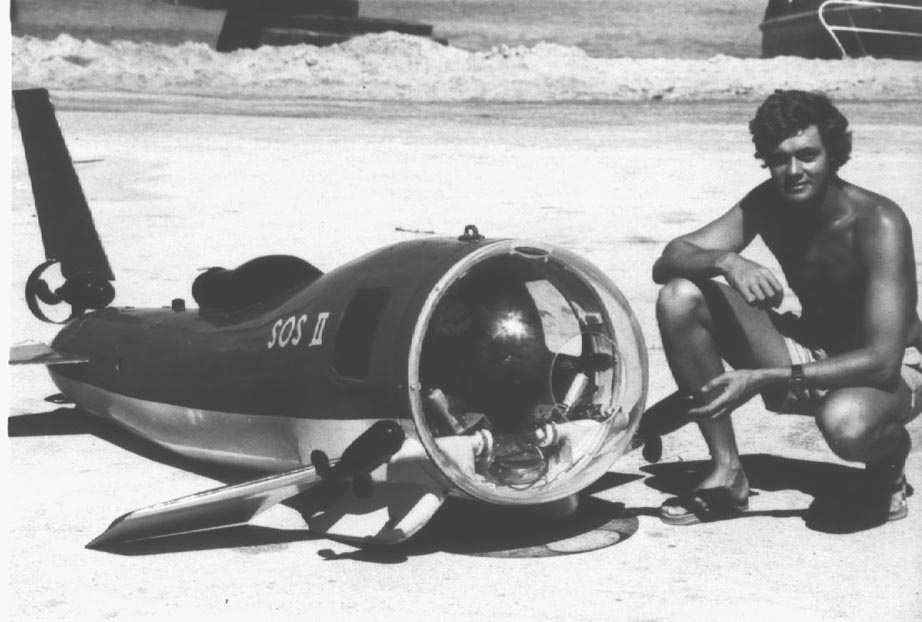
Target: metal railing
(832, 29)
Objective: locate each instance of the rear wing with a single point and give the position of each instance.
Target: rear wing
(40, 354)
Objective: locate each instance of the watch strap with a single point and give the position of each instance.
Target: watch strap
(797, 378)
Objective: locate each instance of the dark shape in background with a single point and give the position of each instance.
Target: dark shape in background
(252, 23)
(796, 28)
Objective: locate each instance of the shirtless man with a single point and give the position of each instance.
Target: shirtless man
(847, 253)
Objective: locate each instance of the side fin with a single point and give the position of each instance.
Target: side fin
(219, 507)
(238, 503)
(40, 354)
(393, 511)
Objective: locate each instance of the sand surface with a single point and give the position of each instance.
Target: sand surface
(176, 186)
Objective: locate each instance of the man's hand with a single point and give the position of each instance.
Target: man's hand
(727, 392)
(757, 284)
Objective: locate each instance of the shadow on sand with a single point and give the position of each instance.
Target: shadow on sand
(467, 528)
(836, 490)
(483, 530)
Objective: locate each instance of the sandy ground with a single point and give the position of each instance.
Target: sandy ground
(179, 184)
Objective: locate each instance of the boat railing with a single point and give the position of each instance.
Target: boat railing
(833, 29)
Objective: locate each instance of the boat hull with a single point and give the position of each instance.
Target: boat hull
(802, 33)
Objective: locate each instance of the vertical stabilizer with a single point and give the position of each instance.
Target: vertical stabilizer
(68, 232)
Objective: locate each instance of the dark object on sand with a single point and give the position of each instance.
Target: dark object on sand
(843, 29)
(251, 23)
(664, 417)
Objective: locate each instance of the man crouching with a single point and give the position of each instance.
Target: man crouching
(851, 359)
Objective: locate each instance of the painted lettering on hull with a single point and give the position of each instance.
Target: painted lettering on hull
(318, 329)
(289, 331)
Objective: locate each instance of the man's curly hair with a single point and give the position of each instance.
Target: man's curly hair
(785, 113)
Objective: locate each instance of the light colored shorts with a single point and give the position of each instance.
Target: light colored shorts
(805, 401)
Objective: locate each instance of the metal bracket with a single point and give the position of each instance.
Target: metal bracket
(471, 234)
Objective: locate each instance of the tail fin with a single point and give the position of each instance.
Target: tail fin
(68, 232)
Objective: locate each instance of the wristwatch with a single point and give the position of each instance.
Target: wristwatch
(797, 381)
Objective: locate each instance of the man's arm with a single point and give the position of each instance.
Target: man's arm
(713, 251)
(700, 254)
(884, 243)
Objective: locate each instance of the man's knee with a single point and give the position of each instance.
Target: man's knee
(679, 300)
(844, 423)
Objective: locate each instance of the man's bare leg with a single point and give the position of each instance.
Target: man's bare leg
(701, 325)
(864, 424)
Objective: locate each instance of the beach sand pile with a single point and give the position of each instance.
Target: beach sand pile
(392, 66)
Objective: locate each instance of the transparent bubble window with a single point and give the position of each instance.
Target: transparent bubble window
(523, 356)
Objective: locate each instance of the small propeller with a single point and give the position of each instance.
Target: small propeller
(80, 292)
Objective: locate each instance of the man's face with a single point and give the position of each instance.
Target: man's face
(799, 166)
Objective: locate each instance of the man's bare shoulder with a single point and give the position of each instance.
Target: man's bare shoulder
(864, 198)
(876, 222)
(874, 213)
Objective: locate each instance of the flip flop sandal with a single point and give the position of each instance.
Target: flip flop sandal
(704, 505)
(880, 492)
(906, 490)
(845, 514)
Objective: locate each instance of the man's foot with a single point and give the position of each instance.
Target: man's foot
(865, 506)
(878, 497)
(717, 497)
(701, 506)
(888, 471)
(885, 480)
(899, 507)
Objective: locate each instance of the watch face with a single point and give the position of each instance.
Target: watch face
(797, 382)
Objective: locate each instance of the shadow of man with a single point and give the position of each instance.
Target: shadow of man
(836, 489)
